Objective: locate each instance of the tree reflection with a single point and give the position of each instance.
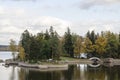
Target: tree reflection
(95, 73)
(23, 74)
(30, 74)
(74, 72)
(113, 73)
(68, 74)
(12, 77)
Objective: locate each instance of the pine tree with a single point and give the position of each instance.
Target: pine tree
(68, 44)
(54, 44)
(119, 47)
(26, 41)
(112, 46)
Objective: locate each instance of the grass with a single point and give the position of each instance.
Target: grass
(68, 58)
(63, 59)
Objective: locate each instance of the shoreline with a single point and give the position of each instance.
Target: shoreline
(59, 64)
(44, 66)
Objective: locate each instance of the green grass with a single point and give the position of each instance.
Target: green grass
(68, 58)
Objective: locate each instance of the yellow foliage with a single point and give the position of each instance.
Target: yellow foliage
(21, 53)
(100, 45)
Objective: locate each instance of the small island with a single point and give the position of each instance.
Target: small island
(49, 50)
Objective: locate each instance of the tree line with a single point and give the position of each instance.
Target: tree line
(49, 45)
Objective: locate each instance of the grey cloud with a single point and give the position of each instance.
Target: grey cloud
(44, 22)
(86, 4)
(81, 28)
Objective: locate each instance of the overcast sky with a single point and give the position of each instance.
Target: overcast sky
(39, 15)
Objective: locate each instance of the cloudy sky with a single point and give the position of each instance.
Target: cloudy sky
(38, 15)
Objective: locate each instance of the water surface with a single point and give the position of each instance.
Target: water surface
(5, 55)
(74, 72)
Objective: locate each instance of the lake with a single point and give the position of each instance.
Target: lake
(5, 55)
(74, 72)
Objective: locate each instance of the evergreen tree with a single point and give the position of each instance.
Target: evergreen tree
(92, 37)
(68, 44)
(54, 44)
(46, 46)
(88, 34)
(34, 49)
(25, 41)
(47, 36)
(119, 46)
(112, 45)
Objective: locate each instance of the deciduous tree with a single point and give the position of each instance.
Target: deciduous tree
(21, 53)
(13, 48)
(100, 45)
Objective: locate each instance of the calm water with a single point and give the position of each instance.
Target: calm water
(6, 55)
(74, 72)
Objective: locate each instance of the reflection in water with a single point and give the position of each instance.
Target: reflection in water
(26, 74)
(94, 65)
(22, 74)
(12, 77)
(74, 72)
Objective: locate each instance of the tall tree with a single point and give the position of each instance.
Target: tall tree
(34, 49)
(21, 53)
(78, 46)
(92, 36)
(88, 47)
(112, 45)
(54, 44)
(119, 46)
(100, 45)
(44, 45)
(13, 48)
(68, 44)
(40, 42)
(26, 41)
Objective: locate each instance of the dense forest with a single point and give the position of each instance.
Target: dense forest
(49, 45)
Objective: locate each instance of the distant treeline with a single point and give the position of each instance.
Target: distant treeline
(4, 48)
